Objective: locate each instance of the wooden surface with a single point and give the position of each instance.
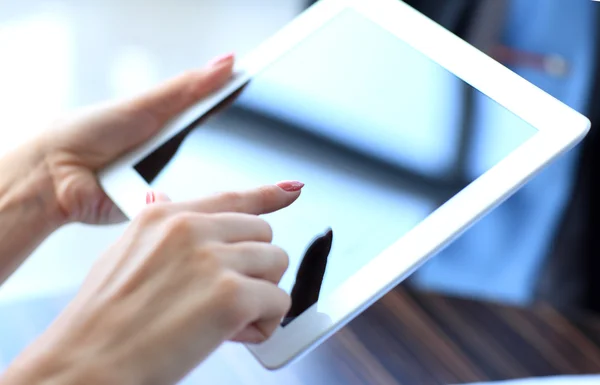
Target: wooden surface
(406, 338)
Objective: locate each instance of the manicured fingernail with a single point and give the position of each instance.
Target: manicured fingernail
(216, 62)
(290, 185)
(150, 197)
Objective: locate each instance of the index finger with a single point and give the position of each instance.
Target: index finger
(262, 200)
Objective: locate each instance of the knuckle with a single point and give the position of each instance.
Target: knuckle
(196, 85)
(234, 200)
(230, 287)
(208, 258)
(230, 292)
(191, 78)
(151, 214)
(180, 225)
(267, 194)
(188, 83)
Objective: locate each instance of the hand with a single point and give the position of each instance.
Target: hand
(51, 180)
(309, 277)
(183, 278)
(82, 144)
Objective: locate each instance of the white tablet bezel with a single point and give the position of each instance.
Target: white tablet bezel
(560, 128)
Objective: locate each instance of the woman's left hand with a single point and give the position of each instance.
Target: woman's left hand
(80, 145)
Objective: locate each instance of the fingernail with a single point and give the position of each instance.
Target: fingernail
(290, 185)
(150, 197)
(220, 60)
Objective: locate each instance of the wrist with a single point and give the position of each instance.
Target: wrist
(28, 206)
(71, 352)
(53, 368)
(27, 183)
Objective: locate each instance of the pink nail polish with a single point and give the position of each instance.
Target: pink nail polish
(290, 186)
(150, 197)
(220, 60)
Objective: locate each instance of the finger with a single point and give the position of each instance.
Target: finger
(161, 197)
(237, 227)
(250, 335)
(270, 304)
(180, 93)
(262, 200)
(256, 259)
(151, 168)
(156, 197)
(116, 128)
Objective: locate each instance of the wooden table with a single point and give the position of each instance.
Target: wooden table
(405, 338)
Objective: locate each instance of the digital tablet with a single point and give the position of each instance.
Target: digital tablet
(403, 134)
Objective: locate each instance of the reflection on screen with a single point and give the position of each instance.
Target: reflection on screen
(380, 135)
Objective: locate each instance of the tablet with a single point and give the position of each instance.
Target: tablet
(403, 134)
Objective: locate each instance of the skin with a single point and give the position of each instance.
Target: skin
(183, 278)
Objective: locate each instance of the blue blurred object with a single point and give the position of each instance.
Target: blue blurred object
(501, 256)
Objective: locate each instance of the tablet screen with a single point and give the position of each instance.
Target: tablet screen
(380, 134)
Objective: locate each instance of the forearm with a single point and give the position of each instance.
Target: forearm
(28, 208)
(28, 214)
(31, 369)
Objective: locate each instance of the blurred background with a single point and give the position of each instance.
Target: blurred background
(59, 55)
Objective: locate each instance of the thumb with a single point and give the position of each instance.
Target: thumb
(126, 125)
(175, 96)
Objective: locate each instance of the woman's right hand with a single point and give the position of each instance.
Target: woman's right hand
(182, 279)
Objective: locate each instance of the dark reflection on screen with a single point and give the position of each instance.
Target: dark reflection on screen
(380, 135)
(152, 165)
(307, 287)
